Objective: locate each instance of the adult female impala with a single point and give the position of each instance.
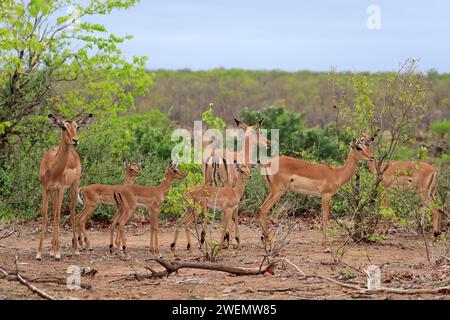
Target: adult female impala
(60, 169)
(312, 179)
(420, 177)
(96, 194)
(219, 163)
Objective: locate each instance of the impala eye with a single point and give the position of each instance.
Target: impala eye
(64, 128)
(358, 148)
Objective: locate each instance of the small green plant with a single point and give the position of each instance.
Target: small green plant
(346, 274)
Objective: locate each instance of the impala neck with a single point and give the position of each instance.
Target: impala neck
(61, 159)
(249, 144)
(346, 172)
(239, 186)
(372, 166)
(165, 184)
(129, 179)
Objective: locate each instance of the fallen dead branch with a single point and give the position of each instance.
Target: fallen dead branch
(26, 281)
(7, 235)
(172, 267)
(441, 290)
(17, 277)
(56, 280)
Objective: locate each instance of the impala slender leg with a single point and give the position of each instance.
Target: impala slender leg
(191, 218)
(264, 210)
(205, 223)
(429, 201)
(152, 251)
(181, 221)
(53, 201)
(82, 219)
(326, 198)
(121, 228)
(227, 217)
(44, 213)
(73, 202)
(57, 220)
(236, 226)
(155, 228)
(111, 232)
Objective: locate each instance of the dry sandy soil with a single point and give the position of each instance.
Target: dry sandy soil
(400, 256)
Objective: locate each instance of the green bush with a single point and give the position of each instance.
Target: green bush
(441, 127)
(294, 138)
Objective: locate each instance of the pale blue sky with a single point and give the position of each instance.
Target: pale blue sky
(285, 34)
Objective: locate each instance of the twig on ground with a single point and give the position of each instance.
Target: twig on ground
(295, 266)
(17, 277)
(7, 235)
(443, 290)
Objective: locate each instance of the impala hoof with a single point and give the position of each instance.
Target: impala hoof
(38, 257)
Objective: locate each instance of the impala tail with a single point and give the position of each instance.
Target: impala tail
(118, 199)
(80, 197)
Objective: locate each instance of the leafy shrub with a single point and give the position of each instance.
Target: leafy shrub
(441, 127)
(294, 138)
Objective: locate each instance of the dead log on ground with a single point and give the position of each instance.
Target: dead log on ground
(172, 267)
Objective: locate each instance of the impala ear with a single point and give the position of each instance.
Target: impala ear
(259, 124)
(140, 164)
(240, 124)
(55, 120)
(84, 120)
(375, 134)
(125, 163)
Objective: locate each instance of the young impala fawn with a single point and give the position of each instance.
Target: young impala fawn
(420, 177)
(60, 169)
(129, 197)
(96, 194)
(312, 179)
(224, 198)
(218, 163)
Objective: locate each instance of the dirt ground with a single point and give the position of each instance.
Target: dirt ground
(401, 257)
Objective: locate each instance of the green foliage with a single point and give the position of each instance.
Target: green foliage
(49, 57)
(294, 138)
(211, 120)
(441, 127)
(102, 147)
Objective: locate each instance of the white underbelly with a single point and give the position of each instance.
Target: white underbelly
(305, 186)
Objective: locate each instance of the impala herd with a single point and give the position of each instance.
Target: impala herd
(225, 174)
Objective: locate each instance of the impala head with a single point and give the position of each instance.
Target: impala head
(362, 147)
(254, 133)
(243, 170)
(69, 127)
(174, 172)
(133, 169)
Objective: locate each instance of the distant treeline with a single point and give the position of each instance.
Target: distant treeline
(185, 94)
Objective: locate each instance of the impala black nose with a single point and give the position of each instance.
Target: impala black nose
(75, 141)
